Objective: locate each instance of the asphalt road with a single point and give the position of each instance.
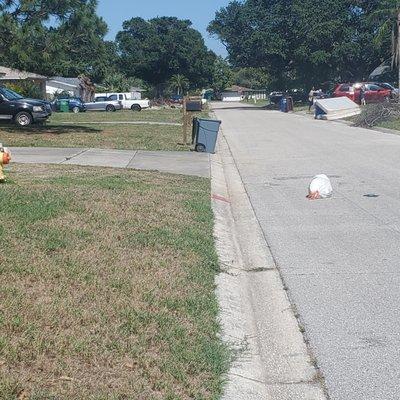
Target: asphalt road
(340, 257)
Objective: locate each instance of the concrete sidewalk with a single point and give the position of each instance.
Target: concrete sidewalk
(175, 162)
(122, 123)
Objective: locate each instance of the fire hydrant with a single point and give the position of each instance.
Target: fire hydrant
(5, 158)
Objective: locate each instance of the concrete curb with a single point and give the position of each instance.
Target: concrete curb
(257, 318)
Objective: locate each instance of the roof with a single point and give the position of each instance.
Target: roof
(236, 88)
(136, 89)
(15, 74)
(66, 81)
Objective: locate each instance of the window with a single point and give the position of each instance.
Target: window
(121, 97)
(345, 88)
(9, 94)
(374, 88)
(113, 97)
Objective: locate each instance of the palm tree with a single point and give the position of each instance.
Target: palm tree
(388, 15)
(179, 82)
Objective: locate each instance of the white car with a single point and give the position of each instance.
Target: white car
(127, 102)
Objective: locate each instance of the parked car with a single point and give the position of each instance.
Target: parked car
(373, 92)
(75, 104)
(275, 97)
(128, 103)
(176, 99)
(298, 96)
(22, 111)
(385, 85)
(103, 104)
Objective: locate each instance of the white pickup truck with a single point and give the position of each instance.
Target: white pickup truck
(126, 100)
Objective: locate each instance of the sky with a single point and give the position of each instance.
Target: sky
(200, 12)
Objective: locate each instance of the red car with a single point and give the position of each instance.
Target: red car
(373, 92)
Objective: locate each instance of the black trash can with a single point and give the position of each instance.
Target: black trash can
(205, 134)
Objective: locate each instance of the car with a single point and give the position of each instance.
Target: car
(385, 85)
(128, 103)
(75, 104)
(298, 96)
(275, 97)
(20, 110)
(373, 92)
(176, 99)
(103, 103)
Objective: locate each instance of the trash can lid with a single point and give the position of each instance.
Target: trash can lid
(209, 120)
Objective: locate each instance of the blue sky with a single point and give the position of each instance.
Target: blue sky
(200, 12)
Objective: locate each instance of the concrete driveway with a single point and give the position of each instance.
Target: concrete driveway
(340, 258)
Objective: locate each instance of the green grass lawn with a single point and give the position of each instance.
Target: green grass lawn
(81, 130)
(107, 286)
(150, 115)
(298, 107)
(391, 124)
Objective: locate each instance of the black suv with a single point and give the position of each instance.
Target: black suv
(24, 112)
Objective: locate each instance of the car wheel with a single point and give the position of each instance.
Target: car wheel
(23, 118)
(136, 107)
(200, 148)
(110, 108)
(75, 110)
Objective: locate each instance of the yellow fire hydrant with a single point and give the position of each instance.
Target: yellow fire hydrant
(5, 158)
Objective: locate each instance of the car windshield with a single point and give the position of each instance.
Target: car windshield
(9, 94)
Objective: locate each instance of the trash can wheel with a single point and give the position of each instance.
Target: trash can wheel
(200, 148)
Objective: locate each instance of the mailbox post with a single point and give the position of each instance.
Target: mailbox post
(191, 104)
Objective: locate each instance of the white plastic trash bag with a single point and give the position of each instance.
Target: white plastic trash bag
(320, 188)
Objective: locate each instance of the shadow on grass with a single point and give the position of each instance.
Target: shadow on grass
(40, 129)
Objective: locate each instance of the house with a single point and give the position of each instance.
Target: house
(59, 84)
(136, 93)
(15, 76)
(235, 93)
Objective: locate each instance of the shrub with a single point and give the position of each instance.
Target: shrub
(26, 88)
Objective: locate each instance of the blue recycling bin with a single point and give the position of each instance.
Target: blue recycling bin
(205, 134)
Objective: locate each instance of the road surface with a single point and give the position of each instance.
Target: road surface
(340, 258)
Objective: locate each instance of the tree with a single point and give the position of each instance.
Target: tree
(387, 15)
(179, 82)
(300, 42)
(54, 37)
(117, 82)
(157, 49)
(222, 75)
(253, 78)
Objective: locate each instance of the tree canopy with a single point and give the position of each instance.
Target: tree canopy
(64, 37)
(160, 48)
(302, 42)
